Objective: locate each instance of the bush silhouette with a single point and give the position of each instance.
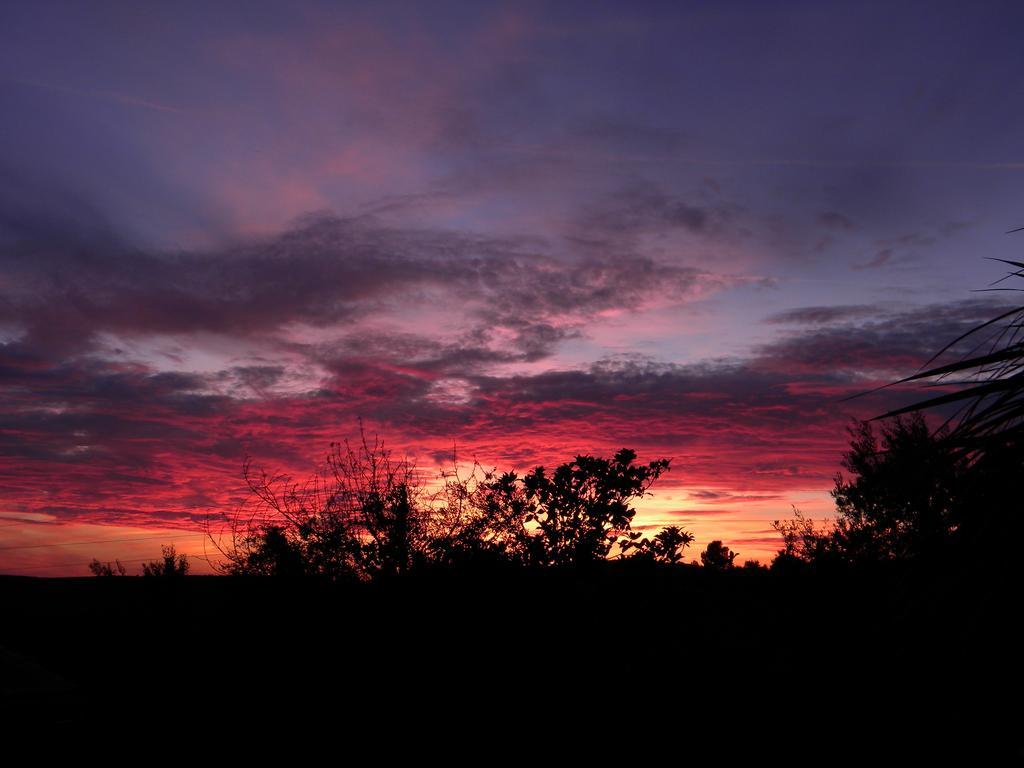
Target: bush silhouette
(171, 565)
(107, 569)
(666, 547)
(358, 517)
(717, 556)
(802, 541)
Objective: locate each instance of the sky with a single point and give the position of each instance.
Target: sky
(513, 231)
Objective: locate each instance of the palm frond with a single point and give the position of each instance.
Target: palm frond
(989, 386)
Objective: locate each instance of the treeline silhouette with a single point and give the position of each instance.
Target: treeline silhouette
(909, 496)
(171, 564)
(367, 515)
(529, 598)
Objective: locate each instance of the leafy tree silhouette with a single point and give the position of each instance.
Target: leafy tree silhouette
(903, 499)
(666, 547)
(574, 516)
(717, 556)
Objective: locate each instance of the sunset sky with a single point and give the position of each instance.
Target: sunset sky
(528, 230)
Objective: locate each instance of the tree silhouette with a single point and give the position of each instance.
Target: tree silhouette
(171, 565)
(573, 516)
(358, 517)
(802, 540)
(274, 553)
(380, 495)
(481, 519)
(717, 556)
(669, 543)
(666, 547)
(903, 498)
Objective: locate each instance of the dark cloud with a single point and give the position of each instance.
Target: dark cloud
(822, 315)
(68, 411)
(719, 497)
(708, 495)
(475, 350)
(614, 134)
(895, 342)
(325, 271)
(835, 221)
(880, 259)
(906, 248)
(258, 379)
(646, 208)
(34, 209)
(316, 273)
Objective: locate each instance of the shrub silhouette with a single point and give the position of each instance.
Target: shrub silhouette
(717, 556)
(669, 543)
(802, 541)
(666, 547)
(107, 569)
(358, 517)
(274, 554)
(171, 565)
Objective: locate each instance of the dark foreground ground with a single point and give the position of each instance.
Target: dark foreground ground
(929, 660)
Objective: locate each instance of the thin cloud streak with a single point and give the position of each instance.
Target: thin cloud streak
(111, 96)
